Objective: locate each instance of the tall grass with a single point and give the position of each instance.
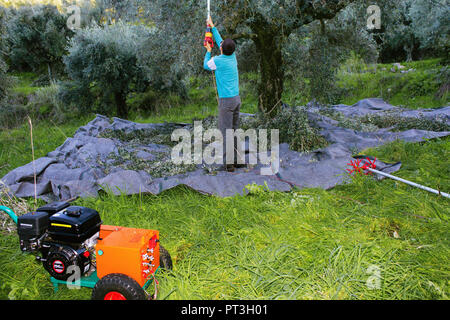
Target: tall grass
(15, 148)
(306, 244)
(415, 89)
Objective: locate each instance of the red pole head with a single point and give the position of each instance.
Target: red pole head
(361, 168)
(208, 37)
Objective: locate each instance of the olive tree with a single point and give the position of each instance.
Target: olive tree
(5, 79)
(412, 29)
(431, 24)
(106, 63)
(268, 23)
(328, 44)
(103, 60)
(37, 37)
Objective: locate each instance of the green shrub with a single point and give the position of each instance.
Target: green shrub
(12, 114)
(43, 104)
(143, 101)
(46, 104)
(443, 80)
(37, 38)
(294, 129)
(152, 101)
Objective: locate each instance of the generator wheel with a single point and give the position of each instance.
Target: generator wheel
(165, 261)
(117, 286)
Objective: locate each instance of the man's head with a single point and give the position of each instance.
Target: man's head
(228, 46)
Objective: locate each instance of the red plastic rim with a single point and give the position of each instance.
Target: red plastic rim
(114, 295)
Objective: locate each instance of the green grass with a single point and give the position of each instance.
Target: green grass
(24, 83)
(305, 244)
(201, 102)
(15, 144)
(308, 244)
(414, 90)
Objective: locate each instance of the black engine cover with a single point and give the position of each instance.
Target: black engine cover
(63, 261)
(74, 224)
(31, 228)
(32, 225)
(54, 207)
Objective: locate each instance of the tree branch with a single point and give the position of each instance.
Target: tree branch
(244, 35)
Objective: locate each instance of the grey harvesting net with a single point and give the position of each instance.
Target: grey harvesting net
(127, 157)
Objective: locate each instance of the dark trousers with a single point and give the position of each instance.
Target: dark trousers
(229, 119)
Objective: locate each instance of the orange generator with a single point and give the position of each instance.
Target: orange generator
(134, 252)
(118, 263)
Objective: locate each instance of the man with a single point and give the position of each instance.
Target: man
(227, 79)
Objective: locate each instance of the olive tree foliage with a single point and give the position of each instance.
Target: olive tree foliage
(36, 37)
(5, 79)
(106, 63)
(111, 11)
(268, 23)
(105, 12)
(102, 62)
(8, 107)
(398, 40)
(413, 29)
(158, 56)
(315, 52)
(431, 24)
(161, 63)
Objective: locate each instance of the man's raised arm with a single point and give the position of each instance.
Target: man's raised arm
(215, 32)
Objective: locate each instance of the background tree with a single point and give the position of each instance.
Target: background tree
(111, 11)
(314, 53)
(5, 79)
(267, 23)
(106, 63)
(413, 29)
(37, 38)
(431, 25)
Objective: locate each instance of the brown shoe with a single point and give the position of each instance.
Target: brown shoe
(228, 168)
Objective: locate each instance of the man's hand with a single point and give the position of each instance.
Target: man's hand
(208, 47)
(210, 22)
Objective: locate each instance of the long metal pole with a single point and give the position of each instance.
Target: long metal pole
(410, 183)
(209, 9)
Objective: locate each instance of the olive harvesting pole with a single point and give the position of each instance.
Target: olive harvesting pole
(209, 9)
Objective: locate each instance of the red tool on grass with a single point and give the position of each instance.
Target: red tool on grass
(367, 166)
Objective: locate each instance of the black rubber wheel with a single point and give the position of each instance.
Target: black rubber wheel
(117, 286)
(165, 261)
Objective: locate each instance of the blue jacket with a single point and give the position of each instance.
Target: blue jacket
(225, 68)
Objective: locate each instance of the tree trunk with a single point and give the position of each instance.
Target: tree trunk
(409, 51)
(270, 87)
(121, 103)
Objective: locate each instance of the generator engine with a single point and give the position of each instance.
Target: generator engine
(62, 236)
